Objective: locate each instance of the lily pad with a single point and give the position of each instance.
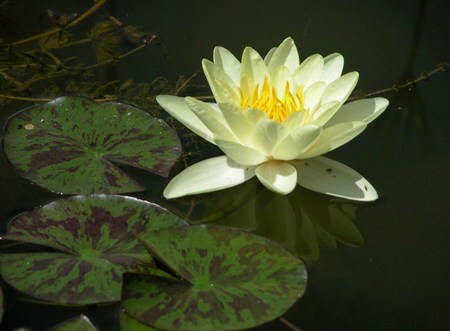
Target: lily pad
(1, 304)
(95, 239)
(72, 145)
(128, 323)
(80, 323)
(230, 280)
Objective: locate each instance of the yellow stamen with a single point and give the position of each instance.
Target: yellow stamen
(268, 101)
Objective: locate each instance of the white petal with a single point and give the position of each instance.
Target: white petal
(242, 154)
(313, 95)
(334, 137)
(237, 121)
(222, 86)
(267, 134)
(297, 142)
(279, 177)
(341, 88)
(209, 175)
(228, 62)
(365, 110)
(269, 55)
(332, 69)
(177, 107)
(327, 176)
(326, 111)
(309, 71)
(295, 119)
(285, 55)
(211, 118)
(279, 79)
(253, 66)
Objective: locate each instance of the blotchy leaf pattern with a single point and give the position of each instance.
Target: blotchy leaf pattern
(231, 280)
(71, 145)
(96, 237)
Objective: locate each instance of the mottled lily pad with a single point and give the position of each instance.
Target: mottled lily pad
(127, 323)
(95, 239)
(72, 145)
(80, 323)
(230, 280)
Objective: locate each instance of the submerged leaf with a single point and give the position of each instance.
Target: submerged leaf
(231, 280)
(128, 323)
(1, 304)
(70, 145)
(96, 239)
(80, 323)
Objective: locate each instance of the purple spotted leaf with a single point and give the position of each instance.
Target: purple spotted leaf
(95, 242)
(72, 145)
(230, 280)
(80, 323)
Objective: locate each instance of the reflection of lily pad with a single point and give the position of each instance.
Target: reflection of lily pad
(80, 323)
(71, 145)
(96, 239)
(231, 280)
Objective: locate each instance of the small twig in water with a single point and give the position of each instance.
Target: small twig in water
(289, 324)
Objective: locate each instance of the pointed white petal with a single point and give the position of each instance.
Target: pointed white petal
(295, 119)
(237, 121)
(253, 66)
(297, 142)
(269, 55)
(211, 118)
(365, 110)
(254, 115)
(285, 55)
(334, 137)
(228, 63)
(341, 88)
(242, 154)
(326, 111)
(279, 79)
(279, 177)
(332, 69)
(222, 86)
(313, 95)
(309, 71)
(207, 176)
(327, 176)
(267, 134)
(177, 107)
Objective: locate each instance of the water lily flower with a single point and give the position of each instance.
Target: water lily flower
(274, 118)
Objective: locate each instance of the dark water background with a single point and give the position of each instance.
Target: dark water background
(399, 279)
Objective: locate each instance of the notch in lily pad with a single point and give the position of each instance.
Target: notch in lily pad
(94, 242)
(230, 280)
(73, 145)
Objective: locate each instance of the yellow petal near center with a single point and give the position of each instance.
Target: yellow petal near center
(277, 107)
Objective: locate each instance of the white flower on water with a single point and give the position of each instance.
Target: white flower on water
(274, 118)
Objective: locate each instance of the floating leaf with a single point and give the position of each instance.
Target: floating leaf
(1, 304)
(96, 237)
(128, 323)
(70, 145)
(80, 323)
(231, 280)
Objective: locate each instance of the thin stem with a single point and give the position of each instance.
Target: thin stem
(185, 83)
(289, 324)
(83, 16)
(12, 97)
(409, 83)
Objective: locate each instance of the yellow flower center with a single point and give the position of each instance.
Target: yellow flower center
(277, 107)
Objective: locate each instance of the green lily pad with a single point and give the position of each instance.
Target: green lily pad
(71, 145)
(80, 323)
(1, 304)
(95, 239)
(231, 280)
(128, 323)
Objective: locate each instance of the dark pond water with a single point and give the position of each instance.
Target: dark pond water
(397, 280)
